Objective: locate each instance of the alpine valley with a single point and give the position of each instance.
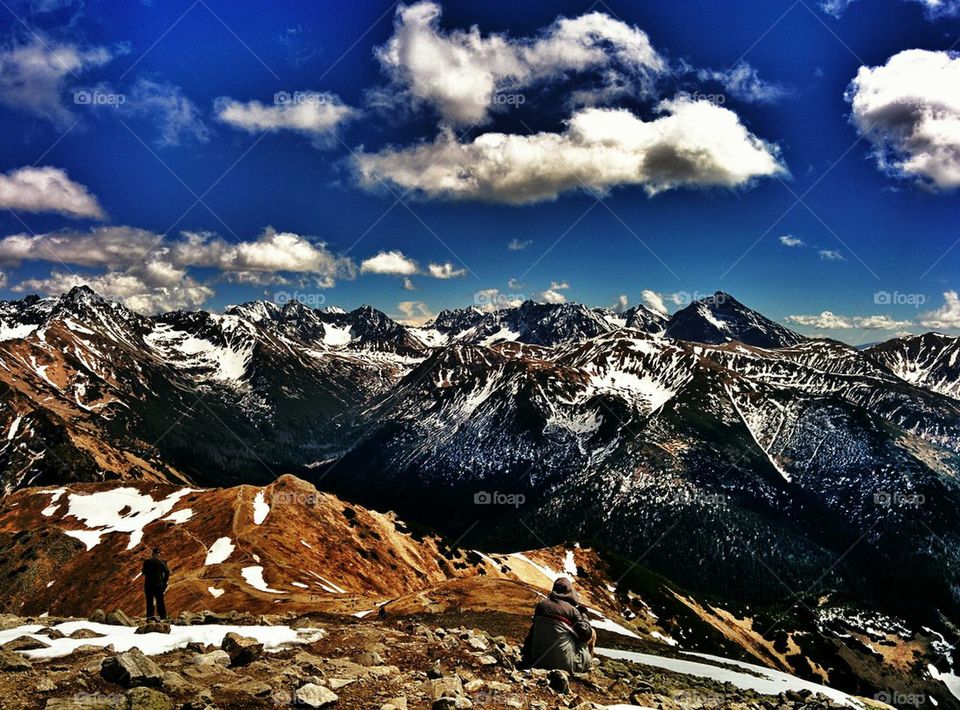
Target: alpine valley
(727, 484)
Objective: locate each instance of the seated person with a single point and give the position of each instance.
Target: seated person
(560, 637)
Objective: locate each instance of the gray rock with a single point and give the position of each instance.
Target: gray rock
(98, 617)
(119, 618)
(312, 695)
(448, 686)
(85, 634)
(24, 643)
(559, 681)
(12, 662)
(131, 669)
(154, 627)
(242, 649)
(219, 656)
(445, 703)
(148, 699)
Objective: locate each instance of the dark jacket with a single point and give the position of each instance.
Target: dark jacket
(560, 631)
(155, 573)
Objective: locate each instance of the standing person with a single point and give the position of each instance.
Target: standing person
(560, 637)
(156, 574)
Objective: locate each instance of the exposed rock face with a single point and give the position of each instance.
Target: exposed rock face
(241, 649)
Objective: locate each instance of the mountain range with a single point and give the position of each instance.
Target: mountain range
(718, 448)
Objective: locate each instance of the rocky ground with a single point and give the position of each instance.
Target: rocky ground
(385, 664)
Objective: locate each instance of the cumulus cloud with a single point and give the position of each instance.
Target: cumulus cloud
(415, 312)
(831, 321)
(34, 75)
(788, 240)
(461, 72)
(138, 289)
(408, 284)
(554, 294)
(653, 301)
(691, 144)
(947, 317)
(396, 263)
(150, 271)
(909, 109)
(621, 303)
(743, 82)
(518, 244)
(489, 300)
(445, 271)
(389, 262)
(311, 113)
(47, 189)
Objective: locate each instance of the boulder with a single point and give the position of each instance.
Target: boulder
(13, 662)
(153, 627)
(148, 699)
(219, 657)
(312, 695)
(398, 703)
(559, 681)
(131, 669)
(446, 703)
(85, 634)
(448, 686)
(98, 617)
(242, 649)
(24, 643)
(119, 618)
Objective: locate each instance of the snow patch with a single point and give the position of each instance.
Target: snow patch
(254, 577)
(219, 551)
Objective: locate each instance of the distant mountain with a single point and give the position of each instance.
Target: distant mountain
(931, 361)
(721, 319)
(761, 450)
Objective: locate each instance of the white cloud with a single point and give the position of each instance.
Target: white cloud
(518, 244)
(515, 284)
(788, 240)
(396, 263)
(693, 144)
(653, 301)
(621, 304)
(408, 284)
(311, 113)
(47, 189)
(490, 300)
(947, 317)
(149, 271)
(136, 289)
(165, 104)
(743, 82)
(389, 262)
(34, 75)
(830, 321)
(909, 109)
(831, 255)
(554, 293)
(935, 9)
(445, 271)
(415, 312)
(460, 72)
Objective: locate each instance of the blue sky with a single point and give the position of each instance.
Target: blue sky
(804, 157)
